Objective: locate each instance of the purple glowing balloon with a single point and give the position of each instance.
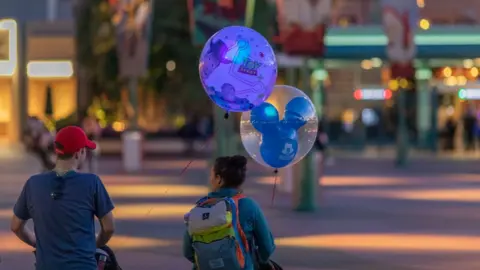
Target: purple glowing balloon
(238, 68)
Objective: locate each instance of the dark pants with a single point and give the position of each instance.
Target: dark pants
(469, 141)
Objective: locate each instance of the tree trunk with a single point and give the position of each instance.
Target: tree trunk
(83, 94)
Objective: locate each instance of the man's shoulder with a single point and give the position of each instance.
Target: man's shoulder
(40, 177)
(90, 176)
(50, 175)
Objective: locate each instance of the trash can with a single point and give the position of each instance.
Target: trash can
(132, 150)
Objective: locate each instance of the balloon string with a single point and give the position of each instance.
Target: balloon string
(274, 186)
(192, 160)
(186, 167)
(202, 147)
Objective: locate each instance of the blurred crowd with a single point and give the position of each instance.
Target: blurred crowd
(39, 141)
(467, 127)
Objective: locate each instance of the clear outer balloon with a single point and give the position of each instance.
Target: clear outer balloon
(281, 131)
(238, 68)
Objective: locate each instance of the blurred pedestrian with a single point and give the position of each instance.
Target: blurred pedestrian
(206, 127)
(190, 133)
(94, 131)
(469, 122)
(321, 144)
(449, 134)
(39, 141)
(477, 131)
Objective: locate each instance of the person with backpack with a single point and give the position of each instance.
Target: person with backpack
(227, 230)
(62, 204)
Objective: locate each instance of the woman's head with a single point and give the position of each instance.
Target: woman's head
(228, 172)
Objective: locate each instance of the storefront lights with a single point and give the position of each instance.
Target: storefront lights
(50, 69)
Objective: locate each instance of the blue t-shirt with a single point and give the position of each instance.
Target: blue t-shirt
(64, 227)
(254, 225)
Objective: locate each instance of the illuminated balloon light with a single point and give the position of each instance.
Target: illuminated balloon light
(238, 68)
(282, 130)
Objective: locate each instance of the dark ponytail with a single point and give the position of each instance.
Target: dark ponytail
(232, 170)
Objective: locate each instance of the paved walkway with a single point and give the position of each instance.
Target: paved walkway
(371, 215)
(176, 146)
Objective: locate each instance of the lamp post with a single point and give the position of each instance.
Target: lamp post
(424, 104)
(402, 131)
(400, 21)
(306, 41)
(306, 191)
(433, 134)
(133, 27)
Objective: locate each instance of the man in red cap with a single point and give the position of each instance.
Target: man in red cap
(62, 204)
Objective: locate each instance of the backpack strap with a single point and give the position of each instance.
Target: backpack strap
(207, 200)
(202, 200)
(243, 237)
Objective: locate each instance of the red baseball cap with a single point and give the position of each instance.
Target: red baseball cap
(72, 139)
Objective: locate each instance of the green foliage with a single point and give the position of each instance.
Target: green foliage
(67, 121)
(96, 47)
(171, 41)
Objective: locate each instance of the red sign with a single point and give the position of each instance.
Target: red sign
(209, 16)
(303, 25)
(372, 94)
(400, 21)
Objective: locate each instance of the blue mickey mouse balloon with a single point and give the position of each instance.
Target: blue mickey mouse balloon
(265, 118)
(282, 130)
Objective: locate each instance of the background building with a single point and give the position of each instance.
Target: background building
(356, 59)
(41, 53)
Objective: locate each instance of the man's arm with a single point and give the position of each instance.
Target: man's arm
(20, 217)
(22, 232)
(107, 229)
(103, 211)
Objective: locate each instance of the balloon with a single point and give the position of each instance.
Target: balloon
(238, 68)
(295, 110)
(265, 118)
(282, 130)
(278, 151)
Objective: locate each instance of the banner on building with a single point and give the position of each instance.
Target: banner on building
(303, 25)
(209, 16)
(132, 20)
(4, 45)
(400, 20)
